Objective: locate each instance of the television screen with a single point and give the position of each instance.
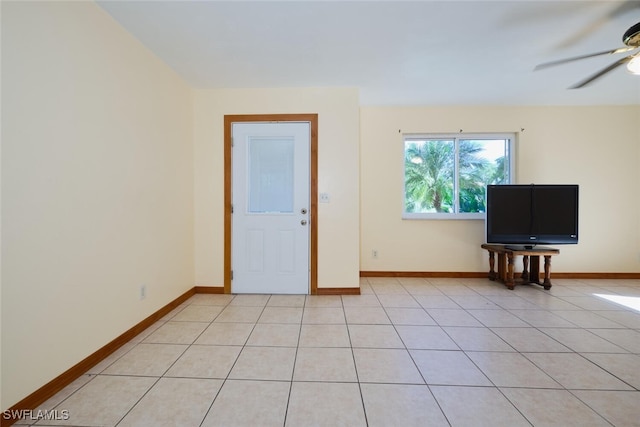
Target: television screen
(532, 214)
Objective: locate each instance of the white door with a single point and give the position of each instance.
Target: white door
(270, 219)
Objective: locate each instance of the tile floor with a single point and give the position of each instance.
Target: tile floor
(407, 352)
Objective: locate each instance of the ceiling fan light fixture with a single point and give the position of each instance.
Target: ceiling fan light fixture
(633, 66)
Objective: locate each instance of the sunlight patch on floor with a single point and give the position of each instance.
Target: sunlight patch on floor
(631, 302)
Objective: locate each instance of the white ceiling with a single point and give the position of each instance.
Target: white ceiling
(397, 53)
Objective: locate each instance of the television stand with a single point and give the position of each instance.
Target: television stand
(506, 255)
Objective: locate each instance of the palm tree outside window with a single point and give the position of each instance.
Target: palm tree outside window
(445, 176)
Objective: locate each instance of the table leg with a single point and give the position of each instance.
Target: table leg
(525, 269)
(510, 282)
(534, 274)
(492, 261)
(547, 272)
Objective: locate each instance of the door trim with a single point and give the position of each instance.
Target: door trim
(312, 119)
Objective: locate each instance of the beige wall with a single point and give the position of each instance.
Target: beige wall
(97, 187)
(595, 147)
(338, 231)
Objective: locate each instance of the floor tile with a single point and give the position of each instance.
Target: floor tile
(398, 300)
(498, 318)
(62, 395)
(426, 337)
(323, 301)
(511, 370)
(477, 406)
(249, 404)
(409, 316)
(453, 287)
(477, 339)
(366, 315)
(374, 336)
(470, 302)
(108, 361)
(582, 341)
(286, 301)
(281, 315)
(386, 366)
(551, 408)
(174, 312)
(279, 335)
(628, 339)
(104, 401)
(249, 300)
(172, 402)
(177, 333)
(512, 303)
(325, 404)
(240, 314)
(264, 363)
(147, 360)
(573, 371)
(542, 319)
(587, 319)
(360, 301)
(210, 299)
(324, 336)
(452, 317)
(436, 301)
(592, 303)
(620, 408)
(389, 288)
(366, 289)
(494, 288)
(323, 315)
(448, 368)
(198, 313)
(205, 361)
(624, 366)
(416, 289)
(413, 405)
(549, 302)
(559, 289)
(225, 334)
(626, 318)
(325, 364)
(529, 340)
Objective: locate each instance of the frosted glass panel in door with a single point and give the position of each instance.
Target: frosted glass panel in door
(270, 175)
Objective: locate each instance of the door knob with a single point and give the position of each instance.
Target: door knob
(303, 222)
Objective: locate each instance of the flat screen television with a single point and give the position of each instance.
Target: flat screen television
(528, 215)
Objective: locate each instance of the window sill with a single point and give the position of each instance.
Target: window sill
(445, 216)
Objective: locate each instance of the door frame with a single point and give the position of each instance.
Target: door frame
(312, 119)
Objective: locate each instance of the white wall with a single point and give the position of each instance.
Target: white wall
(97, 187)
(338, 174)
(595, 147)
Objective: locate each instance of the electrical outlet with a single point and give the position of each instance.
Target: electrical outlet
(143, 292)
(374, 253)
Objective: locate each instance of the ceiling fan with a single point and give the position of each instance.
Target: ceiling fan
(631, 39)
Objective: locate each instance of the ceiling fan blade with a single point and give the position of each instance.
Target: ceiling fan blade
(577, 58)
(602, 72)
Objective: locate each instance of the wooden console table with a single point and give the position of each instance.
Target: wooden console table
(506, 256)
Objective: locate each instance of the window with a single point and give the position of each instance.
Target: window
(445, 176)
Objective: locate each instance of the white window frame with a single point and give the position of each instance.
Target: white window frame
(456, 137)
